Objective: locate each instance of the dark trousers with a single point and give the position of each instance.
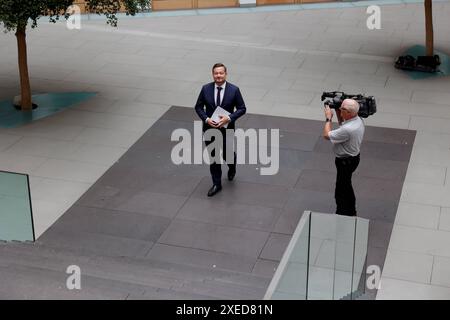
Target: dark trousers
(344, 194)
(216, 168)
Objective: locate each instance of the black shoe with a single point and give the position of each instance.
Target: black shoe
(231, 174)
(214, 189)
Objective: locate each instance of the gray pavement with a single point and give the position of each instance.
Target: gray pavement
(148, 222)
(282, 60)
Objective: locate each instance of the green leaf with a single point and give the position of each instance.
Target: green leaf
(17, 14)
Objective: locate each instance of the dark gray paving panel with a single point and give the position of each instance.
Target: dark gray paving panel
(372, 149)
(32, 283)
(374, 188)
(153, 142)
(316, 180)
(133, 200)
(101, 244)
(161, 165)
(368, 167)
(275, 247)
(136, 276)
(241, 123)
(284, 140)
(152, 218)
(167, 294)
(375, 209)
(294, 159)
(382, 169)
(229, 213)
(159, 204)
(288, 158)
(299, 201)
(112, 222)
(145, 271)
(293, 140)
(323, 146)
(117, 276)
(101, 196)
(286, 177)
(380, 233)
(250, 280)
(322, 161)
(153, 181)
(214, 238)
(54, 258)
(203, 258)
(283, 124)
(180, 114)
(150, 160)
(302, 141)
(48, 258)
(389, 135)
(386, 151)
(158, 154)
(224, 290)
(376, 256)
(245, 193)
(265, 268)
(165, 128)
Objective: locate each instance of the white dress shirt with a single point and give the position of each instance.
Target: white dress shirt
(222, 93)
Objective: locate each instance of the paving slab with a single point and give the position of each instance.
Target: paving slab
(146, 207)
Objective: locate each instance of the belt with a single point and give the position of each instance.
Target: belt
(348, 157)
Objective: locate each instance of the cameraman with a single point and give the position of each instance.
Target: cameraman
(346, 146)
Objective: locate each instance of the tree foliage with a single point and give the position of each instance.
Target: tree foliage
(110, 7)
(15, 14)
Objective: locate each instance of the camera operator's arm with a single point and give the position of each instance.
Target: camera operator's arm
(329, 117)
(338, 115)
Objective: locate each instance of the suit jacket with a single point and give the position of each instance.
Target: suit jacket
(232, 99)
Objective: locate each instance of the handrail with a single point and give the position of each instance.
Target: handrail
(287, 253)
(27, 190)
(306, 271)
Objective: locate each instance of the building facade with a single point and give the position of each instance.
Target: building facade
(158, 5)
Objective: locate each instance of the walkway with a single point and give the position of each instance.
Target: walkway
(282, 61)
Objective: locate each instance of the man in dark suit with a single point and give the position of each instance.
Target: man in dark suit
(228, 96)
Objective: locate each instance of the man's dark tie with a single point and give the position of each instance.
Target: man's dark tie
(218, 96)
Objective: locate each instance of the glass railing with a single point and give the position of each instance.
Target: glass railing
(16, 215)
(290, 281)
(325, 259)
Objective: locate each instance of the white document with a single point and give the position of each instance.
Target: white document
(219, 112)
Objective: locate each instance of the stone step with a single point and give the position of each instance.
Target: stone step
(222, 290)
(171, 279)
(70, 257)
(168, 294)
(20, 282)
(358, 295)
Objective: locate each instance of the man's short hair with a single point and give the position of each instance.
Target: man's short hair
(351, 105)
(218, 65)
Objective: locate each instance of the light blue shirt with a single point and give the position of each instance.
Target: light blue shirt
(347, 138)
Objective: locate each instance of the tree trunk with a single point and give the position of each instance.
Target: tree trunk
(25, 89)
(429, 27)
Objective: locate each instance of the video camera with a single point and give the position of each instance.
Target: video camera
(367, 105)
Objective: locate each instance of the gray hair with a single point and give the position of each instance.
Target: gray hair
(351, 105)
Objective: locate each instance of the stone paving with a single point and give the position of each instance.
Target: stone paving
(282, 61)
(147, 209)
